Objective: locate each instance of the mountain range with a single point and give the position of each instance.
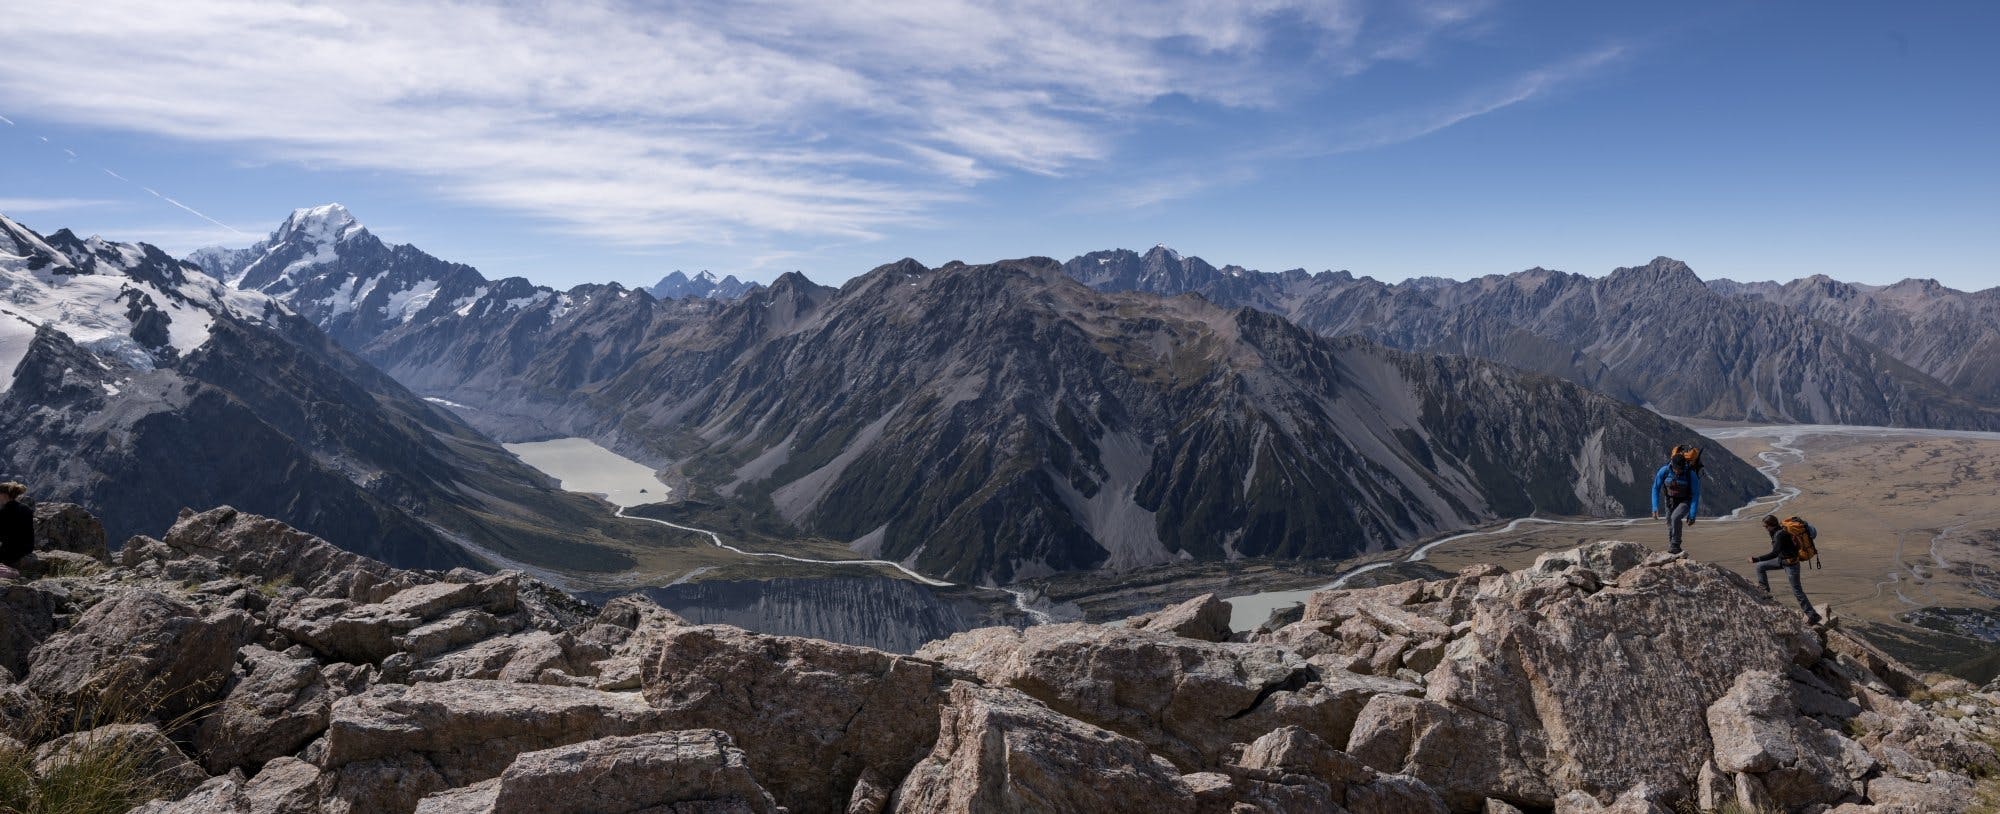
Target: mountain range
(1915, 354)
(1116, 411)
(1053, 428)
(141, 384)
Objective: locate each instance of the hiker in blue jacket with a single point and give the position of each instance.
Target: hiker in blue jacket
(1678, 484)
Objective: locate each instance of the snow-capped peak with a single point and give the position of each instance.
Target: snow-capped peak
(706, 276)
(327, 223)
(129, 304)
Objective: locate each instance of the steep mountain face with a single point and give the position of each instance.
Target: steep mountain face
(1951, 335)
(138, 382)
(534, 368)
(325, 266)
(1652, 335)
(1058, 428)
(679, 286)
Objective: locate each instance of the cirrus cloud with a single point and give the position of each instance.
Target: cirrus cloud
(653, 124)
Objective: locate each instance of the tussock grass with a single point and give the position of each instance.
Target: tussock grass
(108, 776)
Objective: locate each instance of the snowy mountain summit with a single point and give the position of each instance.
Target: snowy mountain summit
(129, 307)
(324, 264)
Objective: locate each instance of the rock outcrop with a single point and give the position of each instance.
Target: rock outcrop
(999, 749)
(1601, 679)
(812, 716)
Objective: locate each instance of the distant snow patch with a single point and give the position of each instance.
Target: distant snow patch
(16, 334)
(404, 305)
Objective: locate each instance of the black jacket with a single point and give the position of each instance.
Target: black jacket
(17, 531)
(1783, 549)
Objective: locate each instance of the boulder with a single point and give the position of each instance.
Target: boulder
(276, 705)
(1204, 618)
(1187, 700)
(1291, 755)
(1468, 758)
(422, 620)
(270, 551)
(1913, 742)
(284, 786)
(140, 651)
(67, 527)
(811, 715)
(1394, 794)
(521, 657)
(388, 747)
(1000, 750)
(28, 614)
(1936, 793)
(139, 745)
(612, 646)
(1519, 703)
(689, 771)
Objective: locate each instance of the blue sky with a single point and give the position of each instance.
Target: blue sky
(602, 140)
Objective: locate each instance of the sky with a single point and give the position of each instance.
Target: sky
(592, 141)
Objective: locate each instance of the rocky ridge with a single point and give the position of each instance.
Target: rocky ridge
(1951, 335)
(271, 672)
(1814, 351)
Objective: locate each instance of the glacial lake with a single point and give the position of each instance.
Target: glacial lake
(583, 466)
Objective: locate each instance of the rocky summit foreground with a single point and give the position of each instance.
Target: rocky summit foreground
(253, 669)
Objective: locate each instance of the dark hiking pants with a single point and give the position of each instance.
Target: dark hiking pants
(1676, 516)
(1764, 570)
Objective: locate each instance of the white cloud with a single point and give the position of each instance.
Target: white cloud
(15, 206)
(653, 124)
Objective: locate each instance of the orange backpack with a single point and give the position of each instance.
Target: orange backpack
(1802, 537)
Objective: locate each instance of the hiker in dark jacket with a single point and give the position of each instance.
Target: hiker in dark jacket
(1678, 485)
(1784, 554)
(17, 529)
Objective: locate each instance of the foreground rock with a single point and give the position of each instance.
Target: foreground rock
(1602, 679)
(1204, 617)
(696, 771)
(387, 748)
(999, 750)
(812, 716)
(269, 550)
(1189, 700)
(141, 650)
(68, 527)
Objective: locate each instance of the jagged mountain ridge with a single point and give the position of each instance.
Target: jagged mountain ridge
(141, 382)
(678, 286)
(1951, 335)
(1653, 335)
(324, 264)
(1054, 427)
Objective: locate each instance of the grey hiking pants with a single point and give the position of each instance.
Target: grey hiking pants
(1764, 570)
(1676, 517)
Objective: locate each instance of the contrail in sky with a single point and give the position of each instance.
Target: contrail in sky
(149, 190)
